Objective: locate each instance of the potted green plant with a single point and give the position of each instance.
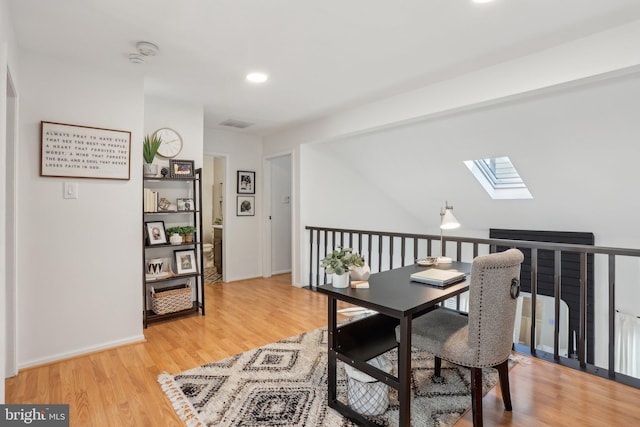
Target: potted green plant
(339, 263)
(150, 147)
(187, 233)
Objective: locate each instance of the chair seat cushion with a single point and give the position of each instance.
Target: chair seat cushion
(443, 333)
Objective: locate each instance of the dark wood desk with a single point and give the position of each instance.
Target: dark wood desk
(397, 300)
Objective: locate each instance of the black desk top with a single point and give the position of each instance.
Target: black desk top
(392, 292)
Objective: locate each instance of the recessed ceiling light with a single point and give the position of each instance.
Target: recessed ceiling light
(257, 77)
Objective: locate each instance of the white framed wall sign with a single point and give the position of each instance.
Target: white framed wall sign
(84, 152)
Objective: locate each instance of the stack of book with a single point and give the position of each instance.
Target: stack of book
(150, 200)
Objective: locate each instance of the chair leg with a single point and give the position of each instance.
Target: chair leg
(437, 366)
(476, 396)
(503, 372)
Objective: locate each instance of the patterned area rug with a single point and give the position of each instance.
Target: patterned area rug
(285, 384)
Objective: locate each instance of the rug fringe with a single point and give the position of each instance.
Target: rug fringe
(181, 404)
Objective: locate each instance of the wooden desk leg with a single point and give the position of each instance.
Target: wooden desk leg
(404, 371)
(331, 354)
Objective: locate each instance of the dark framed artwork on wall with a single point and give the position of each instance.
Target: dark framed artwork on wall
(245, 206)
(246, 182)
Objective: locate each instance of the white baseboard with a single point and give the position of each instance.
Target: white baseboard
(80, 352)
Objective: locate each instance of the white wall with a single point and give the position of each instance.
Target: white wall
(186, 119)
(79, 260)
(242, 234)
(7, 46)
(207, 197)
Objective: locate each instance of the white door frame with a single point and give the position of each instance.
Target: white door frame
(11, 219)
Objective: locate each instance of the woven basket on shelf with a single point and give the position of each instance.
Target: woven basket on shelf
(170, 300)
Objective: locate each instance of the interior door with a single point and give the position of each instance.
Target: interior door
(280, 214)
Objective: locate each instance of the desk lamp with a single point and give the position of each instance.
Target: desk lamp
(447, 222)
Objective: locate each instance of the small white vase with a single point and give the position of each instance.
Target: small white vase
(340, 280)
(175, 239)
(361, 273)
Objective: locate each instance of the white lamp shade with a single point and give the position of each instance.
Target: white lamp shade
(449, 222)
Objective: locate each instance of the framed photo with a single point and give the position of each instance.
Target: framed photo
(186, 261)
(246, 206)
(185, 204)
(246, 182)
(181, 168)
(79, 151)
(156, 234)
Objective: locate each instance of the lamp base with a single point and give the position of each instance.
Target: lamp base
(444, 260)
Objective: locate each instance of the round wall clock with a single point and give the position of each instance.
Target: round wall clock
(171, 142)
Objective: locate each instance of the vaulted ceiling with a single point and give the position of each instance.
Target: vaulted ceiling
(321, 56)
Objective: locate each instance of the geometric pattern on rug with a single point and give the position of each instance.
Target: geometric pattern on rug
(285, 384)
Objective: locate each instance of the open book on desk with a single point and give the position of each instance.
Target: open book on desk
(437, 277)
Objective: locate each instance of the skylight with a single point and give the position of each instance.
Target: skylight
(499, 178)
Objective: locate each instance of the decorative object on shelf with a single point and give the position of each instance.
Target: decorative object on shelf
(187, 233)
(154, 266)
(156, 234)
(74, 154)
(175, 239)
(164, 204)
(447, 222)
(171, 142)
(217, 221)
(339, 263)
(149, 149)
(186, 261)
(246, 206)
(181, 168)
(164, 172)
(246, 182)
(171, 299)
(185, 204)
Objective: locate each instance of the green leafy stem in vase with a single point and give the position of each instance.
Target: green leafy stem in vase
(341, 260)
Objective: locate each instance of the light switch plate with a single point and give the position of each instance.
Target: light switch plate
(70, 190)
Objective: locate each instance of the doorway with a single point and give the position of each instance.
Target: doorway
(278, 195)
(213, 216)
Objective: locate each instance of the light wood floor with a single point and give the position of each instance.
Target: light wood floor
(118, 387)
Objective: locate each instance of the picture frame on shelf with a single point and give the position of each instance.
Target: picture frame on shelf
(181, 168)
(246, 206)
(186, 261)
(246, 182)
(156, 234)
(185, 204)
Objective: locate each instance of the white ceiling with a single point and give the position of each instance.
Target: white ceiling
(322, 56)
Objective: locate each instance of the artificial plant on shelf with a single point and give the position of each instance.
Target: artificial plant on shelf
(150, 147)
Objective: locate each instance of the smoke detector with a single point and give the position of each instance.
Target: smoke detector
(238, 124)
(136, 58)
(147, 49)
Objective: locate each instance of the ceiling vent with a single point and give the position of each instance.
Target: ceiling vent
(238, 124)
